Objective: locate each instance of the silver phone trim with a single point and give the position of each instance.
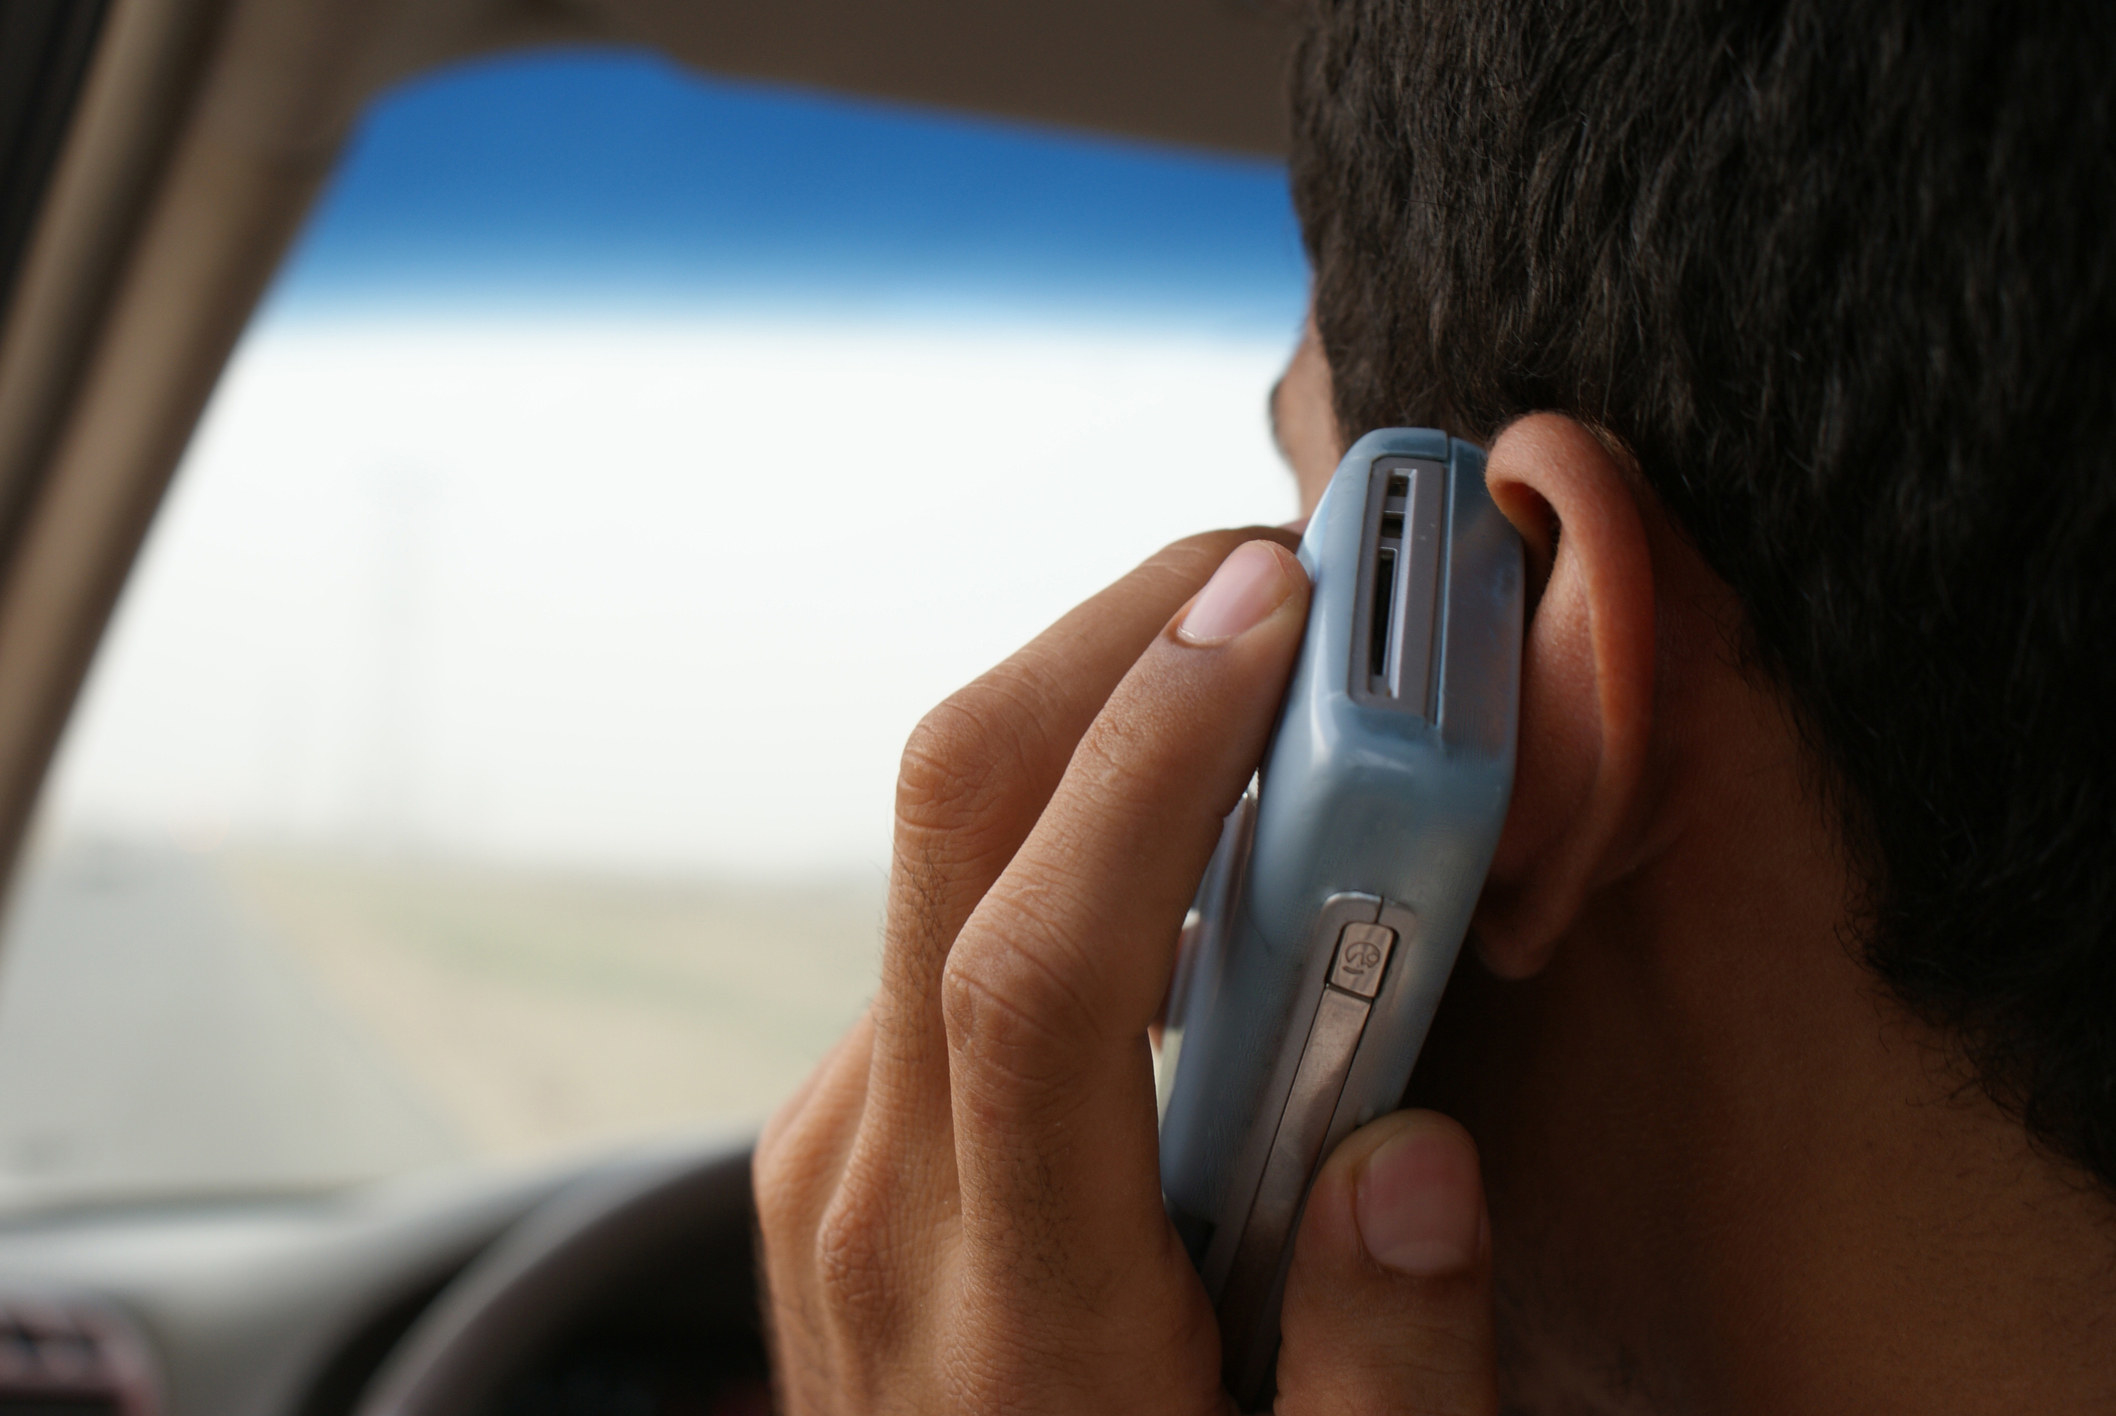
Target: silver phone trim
(1359, 961)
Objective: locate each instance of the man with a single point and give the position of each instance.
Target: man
(1789, 1040)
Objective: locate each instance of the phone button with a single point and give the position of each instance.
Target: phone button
(1362, 956)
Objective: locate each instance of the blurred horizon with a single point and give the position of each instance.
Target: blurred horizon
(619, 595)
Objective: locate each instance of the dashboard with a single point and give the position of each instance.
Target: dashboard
(295, 1305)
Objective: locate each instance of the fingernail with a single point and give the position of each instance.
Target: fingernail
(1247, 587)
(1419, 1203)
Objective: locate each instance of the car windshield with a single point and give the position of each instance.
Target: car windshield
(492, 754)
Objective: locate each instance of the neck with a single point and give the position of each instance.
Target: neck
(1869, 1232)
(1858, 1227)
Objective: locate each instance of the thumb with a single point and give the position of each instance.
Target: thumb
(1388, 1304)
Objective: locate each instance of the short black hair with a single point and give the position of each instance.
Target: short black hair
(1840, 275)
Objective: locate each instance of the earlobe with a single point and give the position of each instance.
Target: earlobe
(1586, 683)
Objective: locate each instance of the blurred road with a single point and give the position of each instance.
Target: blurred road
(545, 1009)
(153, 1040)
(258, 1019)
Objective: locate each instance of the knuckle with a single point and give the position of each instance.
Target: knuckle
(1013, 1011)
(1453, 1379)
(1132, 768)
(782, 1181)
(1197, 554)
(854, 1259)
(1121, 757)
(768, 1182)
(1193, 559)
(946, 760)
(962, 755)
(1349, 1344)
(799, 1155)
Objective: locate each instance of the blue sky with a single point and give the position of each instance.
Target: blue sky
(608, 178)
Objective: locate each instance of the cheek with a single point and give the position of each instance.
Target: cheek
(1306, 423)
(1313, 481)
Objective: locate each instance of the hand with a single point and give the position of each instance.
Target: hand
(961, 1210)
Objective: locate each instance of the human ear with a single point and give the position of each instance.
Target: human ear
(1586, 683)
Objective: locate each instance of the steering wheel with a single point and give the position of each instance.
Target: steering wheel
(554, 1266)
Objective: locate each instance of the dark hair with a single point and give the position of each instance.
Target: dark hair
(1841, 276)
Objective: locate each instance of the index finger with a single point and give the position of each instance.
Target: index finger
(1054, 979)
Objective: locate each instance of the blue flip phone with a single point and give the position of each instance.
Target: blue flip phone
(1330, 916)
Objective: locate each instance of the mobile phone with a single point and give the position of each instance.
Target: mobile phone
(1330, 916)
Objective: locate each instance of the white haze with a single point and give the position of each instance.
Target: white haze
(642, 595)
